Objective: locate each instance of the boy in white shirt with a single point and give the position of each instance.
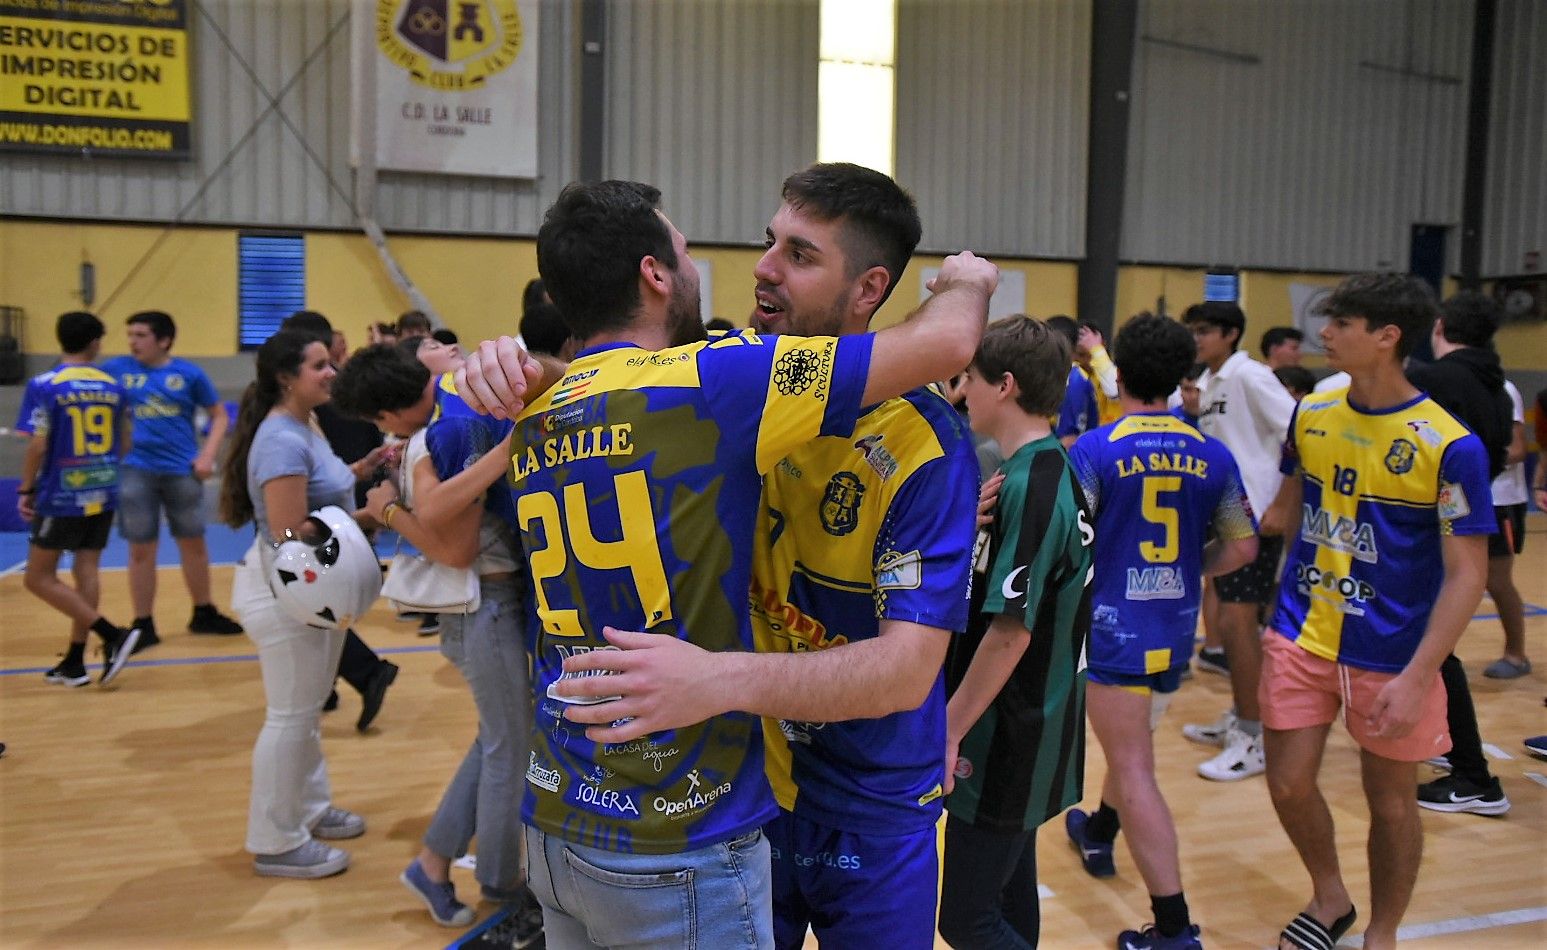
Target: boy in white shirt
(1245, 407)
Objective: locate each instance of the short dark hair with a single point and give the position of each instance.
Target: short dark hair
(543, 329)
(878, 220)
(444, 336)
(413, 320)
(534, 294)
(1153, 355)
(720, 323)
(311, 323)
(1386, 299)
(1470, 318)
(379, 378)
(1032, 352)
(1296, 378)
(589, 248)
(1194, 371)
(1277, 336)
(1219, 313)
(1066, 325)
(76, 330)
(162, 327)
(410, 345)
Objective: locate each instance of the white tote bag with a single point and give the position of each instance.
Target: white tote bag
(414, 582)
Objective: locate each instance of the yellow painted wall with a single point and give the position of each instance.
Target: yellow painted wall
(476, 283)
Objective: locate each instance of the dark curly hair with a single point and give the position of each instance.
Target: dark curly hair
(1153, 354)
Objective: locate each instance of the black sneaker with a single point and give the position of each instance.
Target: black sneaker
(115, 655)
(429, 624)
(207, 619)
(528, 916)
(148, 636)
(331, 703)
(1213, 661)
(1453, 793)
(66, 674)
(375, 691)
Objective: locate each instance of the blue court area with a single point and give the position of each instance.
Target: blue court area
(226, 545)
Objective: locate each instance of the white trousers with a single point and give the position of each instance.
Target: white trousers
(290, 789)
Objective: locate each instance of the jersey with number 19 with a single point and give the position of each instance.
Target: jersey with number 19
(80, 409)
(1379, 491)
(1156, 485)
(636, 480)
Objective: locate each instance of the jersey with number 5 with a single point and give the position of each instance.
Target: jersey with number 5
(1156, 485)
(636, 480)
(79, 409)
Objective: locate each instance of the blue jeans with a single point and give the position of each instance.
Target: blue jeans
(484, 797)
(144, 495)
(715, 897)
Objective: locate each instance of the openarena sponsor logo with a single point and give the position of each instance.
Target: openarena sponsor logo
(697, 798)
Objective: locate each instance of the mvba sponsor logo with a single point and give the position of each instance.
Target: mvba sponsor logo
(1340, 533)
(1156, 583)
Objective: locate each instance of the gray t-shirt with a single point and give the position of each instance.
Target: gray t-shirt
(282, 446)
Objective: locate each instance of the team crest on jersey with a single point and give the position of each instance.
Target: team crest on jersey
(1400, 457)
(840, 503)
(877, 456)
(175, 382)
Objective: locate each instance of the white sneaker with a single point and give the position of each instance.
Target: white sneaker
(1214, 733)
(1242, 758)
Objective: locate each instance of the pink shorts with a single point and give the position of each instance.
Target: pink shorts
(1299, 690)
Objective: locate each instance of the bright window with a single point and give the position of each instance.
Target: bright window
(856, 83)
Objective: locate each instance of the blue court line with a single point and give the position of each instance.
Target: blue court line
(204, 660)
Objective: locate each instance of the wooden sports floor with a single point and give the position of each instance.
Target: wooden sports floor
(122, 811)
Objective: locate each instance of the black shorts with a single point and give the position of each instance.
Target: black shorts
(85, 533)
(1254, 583)
(1511, 538)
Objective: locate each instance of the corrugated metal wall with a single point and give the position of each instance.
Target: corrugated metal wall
(1516, 217)
(992, 105)
(1320, 155)
(714, 102)
(1346, 129)
(270, 179)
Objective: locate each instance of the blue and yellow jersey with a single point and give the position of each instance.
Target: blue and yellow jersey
(80, 410)
(1156, 485)
(1379, 491)
(636, 479)
(448, 402)
(162, 402)
(877, 525)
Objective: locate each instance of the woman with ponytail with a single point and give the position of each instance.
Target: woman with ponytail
(280, 470)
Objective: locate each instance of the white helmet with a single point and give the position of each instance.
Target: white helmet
(329, 583)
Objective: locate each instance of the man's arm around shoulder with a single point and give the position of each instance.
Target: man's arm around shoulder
(667, 683)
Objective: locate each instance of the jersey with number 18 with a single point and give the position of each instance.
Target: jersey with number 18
(636, 480)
